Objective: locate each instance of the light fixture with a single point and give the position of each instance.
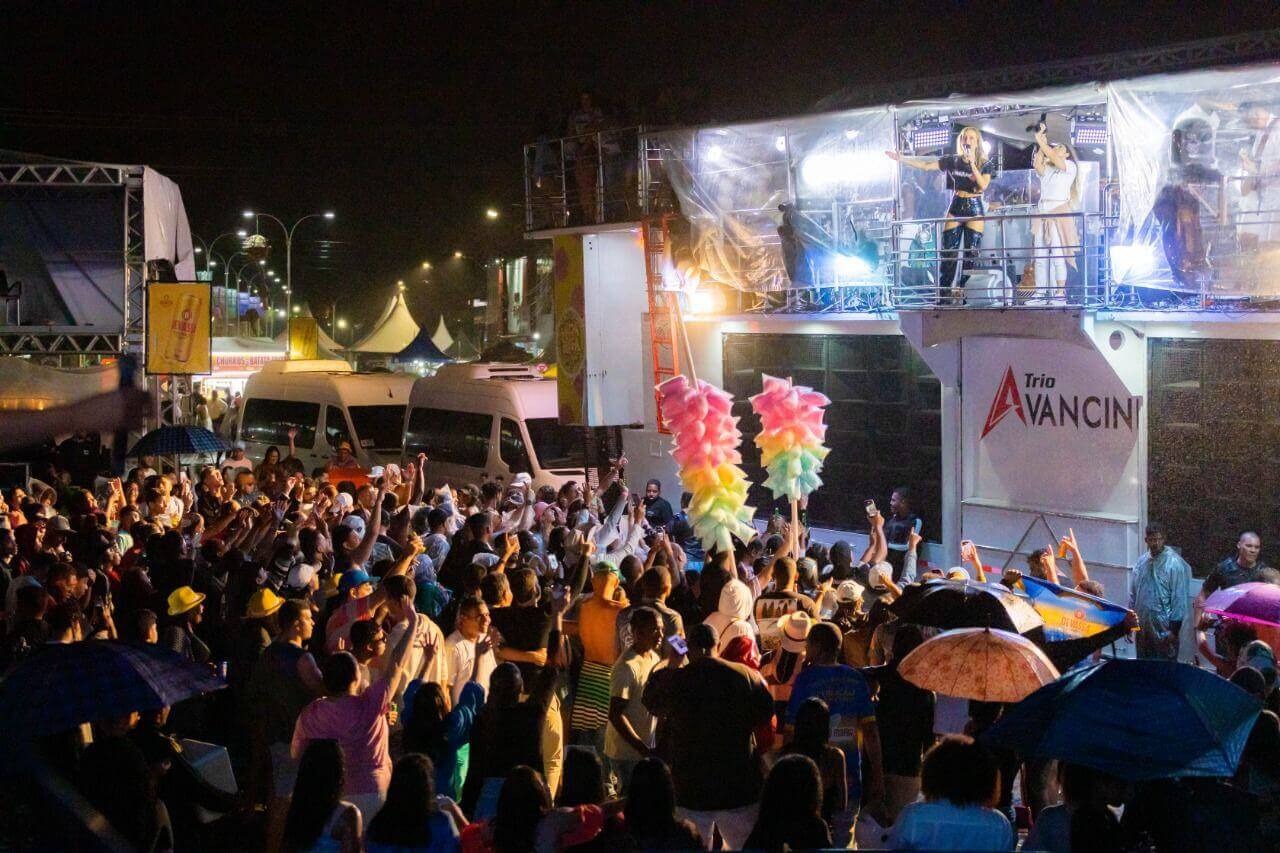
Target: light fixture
(1131, 263)
(780, 143)
(328, 214)
(197, 250)
(930, 132)
(242, 233)
(342, 323)
(537, 336)
(296, 309)
(1088, 129)
(479, 303)
(426, 265)
(844, 168)
(714, 153)
(851, 266)
(491, 213)
(457, 254)
(280, 312)
(248, 214)
(707, 301)
(213, 263)
(262, 263)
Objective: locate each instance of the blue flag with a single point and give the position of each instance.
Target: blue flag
(1069, 614)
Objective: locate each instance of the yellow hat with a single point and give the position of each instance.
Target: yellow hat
(262, 603)
(331, 585)
(182, 599)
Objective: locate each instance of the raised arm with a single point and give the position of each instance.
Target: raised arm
(1079, 572)
(360, 555)
(926, 164)
(910, 560)
(876, 547)
(969, 554)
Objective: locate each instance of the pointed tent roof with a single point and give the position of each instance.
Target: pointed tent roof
(394, 331)
(422, 348)
(442, 339)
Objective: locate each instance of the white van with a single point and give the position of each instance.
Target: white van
(327, 402)
(494, 420)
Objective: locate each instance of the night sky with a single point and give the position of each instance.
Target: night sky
(408, 121)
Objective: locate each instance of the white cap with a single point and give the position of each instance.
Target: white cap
(849, 592)
(356, 523)
(521, 479)
(300, 576)
(958, 573)
(879, 575)
(393, 470)
(344, 500)
(486, 559)
(376, 471)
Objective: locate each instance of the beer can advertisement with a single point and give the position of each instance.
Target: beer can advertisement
(178, 329)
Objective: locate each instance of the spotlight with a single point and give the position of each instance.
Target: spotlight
(930, 132)
(1088, 129)
(1129, 263)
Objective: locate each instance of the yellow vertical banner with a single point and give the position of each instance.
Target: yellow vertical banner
(304, 338)
(179, 337)
(571, 331)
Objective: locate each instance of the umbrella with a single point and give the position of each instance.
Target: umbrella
(979, 663)
(1134, 719)
(63, 685)
(966, 604)
(1249, 602)
(178, 441)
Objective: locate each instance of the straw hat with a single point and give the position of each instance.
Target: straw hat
(795, 630)
(262, 603)
(849, 592)
(182, 599)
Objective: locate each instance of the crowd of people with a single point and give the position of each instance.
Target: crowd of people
(500, 667)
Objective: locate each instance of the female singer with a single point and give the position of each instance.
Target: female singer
(1056, 239)
(968, 172)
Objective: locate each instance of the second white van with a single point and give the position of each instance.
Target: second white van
(491, 420)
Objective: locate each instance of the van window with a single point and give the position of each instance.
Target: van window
(379, 427)
(268, 421)
(459, 438)
(335, 427)
(511, 447)
(556, 446)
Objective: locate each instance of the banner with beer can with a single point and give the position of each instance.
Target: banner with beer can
(179, 340)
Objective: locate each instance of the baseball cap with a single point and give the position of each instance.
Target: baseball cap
(521, 479)
(352, 579)
(344, 500)
(376, 471)
(958, 573)
(356, 523)
(485, 559)
(849, 592)
(879, 575)
(239, 445)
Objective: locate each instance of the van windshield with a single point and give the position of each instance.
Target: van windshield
(556, 446)
(378, 427)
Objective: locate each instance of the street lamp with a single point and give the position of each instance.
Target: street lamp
(491, 213)
(426, 265)
(288, 238)
(457, 255)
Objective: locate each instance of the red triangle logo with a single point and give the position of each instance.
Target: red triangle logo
(1007, 399)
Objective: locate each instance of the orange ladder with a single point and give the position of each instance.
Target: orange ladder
(662, 319)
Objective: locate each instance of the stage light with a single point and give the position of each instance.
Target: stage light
(707, 301)
(714, 153)
(780, 143)
(844, 168)
(851, 266)
(1089, 129)
(1129, 263)
(930, 132)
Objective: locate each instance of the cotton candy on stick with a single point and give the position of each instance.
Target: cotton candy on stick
(791, 436)
(707, 438)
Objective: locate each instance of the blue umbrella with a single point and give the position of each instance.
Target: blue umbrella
(178, 441)
(1134, 719)
(62, 685)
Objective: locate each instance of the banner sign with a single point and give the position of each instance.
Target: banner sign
(1069, 614)
(304, 338)
(1049, 424)
(179, 340)
(571, 329)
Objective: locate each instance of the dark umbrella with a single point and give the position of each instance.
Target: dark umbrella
(63, 685)
(966, 604)
(1134, 719)
(178, 441)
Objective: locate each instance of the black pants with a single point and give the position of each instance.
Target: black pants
(952, 241)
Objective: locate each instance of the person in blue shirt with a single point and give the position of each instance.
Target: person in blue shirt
(853, 717)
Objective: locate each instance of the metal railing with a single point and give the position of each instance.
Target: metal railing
(594, 178)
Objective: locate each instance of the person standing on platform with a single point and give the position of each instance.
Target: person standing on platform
(1159, 592)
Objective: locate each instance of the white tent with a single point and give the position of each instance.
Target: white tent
(442, 339)
(394, 331)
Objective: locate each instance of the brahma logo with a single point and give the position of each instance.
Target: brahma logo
(1007, 400)
(1038, 403)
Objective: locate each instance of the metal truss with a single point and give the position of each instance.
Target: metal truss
(1238, 49)
(58, 342)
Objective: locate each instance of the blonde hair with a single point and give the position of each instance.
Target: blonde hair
(982, 155)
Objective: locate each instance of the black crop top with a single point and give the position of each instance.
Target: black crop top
(959, 176)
